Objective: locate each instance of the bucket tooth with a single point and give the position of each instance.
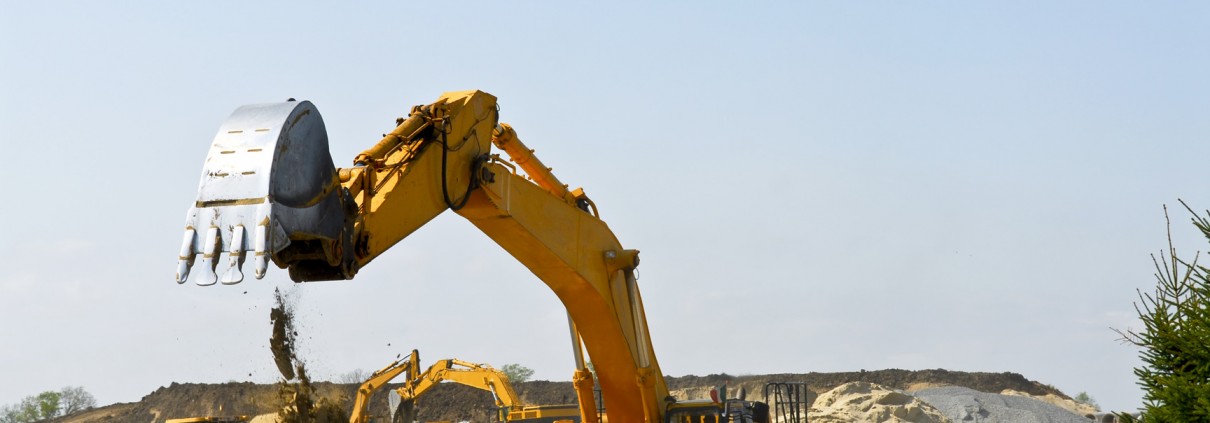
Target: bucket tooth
(235, 257)
(210, 254)
(259, 255)
(186, 258)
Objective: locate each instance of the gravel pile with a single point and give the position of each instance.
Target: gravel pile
(968, 405)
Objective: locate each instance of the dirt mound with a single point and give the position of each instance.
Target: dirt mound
(197, 399)
(454, 402)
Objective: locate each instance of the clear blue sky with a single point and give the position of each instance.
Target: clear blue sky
(846, 185)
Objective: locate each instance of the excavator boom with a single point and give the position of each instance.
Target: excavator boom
(407, 365)
(269, 190)
(417, 383)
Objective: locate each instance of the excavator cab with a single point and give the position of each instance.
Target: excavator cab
(694, 412)
(731, 411)
(718, 409)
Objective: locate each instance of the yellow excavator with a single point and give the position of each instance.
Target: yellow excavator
(269, 191)
(480, 376)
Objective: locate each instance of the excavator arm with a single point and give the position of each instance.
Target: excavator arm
(269, 191)
(416, 383)
(480, 376)
(407, 365)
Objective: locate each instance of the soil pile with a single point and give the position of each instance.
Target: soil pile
(868, 402)
(454, 402)
(180, 400)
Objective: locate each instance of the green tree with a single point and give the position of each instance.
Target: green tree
(517, 373)
(33, 408)
(1175, 338)
(1084, 398)
(48, 404)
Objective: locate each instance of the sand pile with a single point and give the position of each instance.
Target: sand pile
(867, 402)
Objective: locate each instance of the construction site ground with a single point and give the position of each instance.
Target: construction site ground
(451, 402)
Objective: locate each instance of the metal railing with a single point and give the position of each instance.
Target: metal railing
(787, 402)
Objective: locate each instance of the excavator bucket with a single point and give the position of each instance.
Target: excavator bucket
(269, 190)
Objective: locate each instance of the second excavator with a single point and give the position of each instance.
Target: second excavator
(480, 376)
(269, 191)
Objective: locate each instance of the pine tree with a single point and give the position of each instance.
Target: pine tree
(1175, 339)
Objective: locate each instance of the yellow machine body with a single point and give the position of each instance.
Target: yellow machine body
(441, 158)
(480, 376)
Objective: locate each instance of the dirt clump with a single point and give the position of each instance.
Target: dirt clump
(282, 340)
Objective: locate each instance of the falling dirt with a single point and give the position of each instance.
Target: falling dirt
(282, 340)
(300, 404)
